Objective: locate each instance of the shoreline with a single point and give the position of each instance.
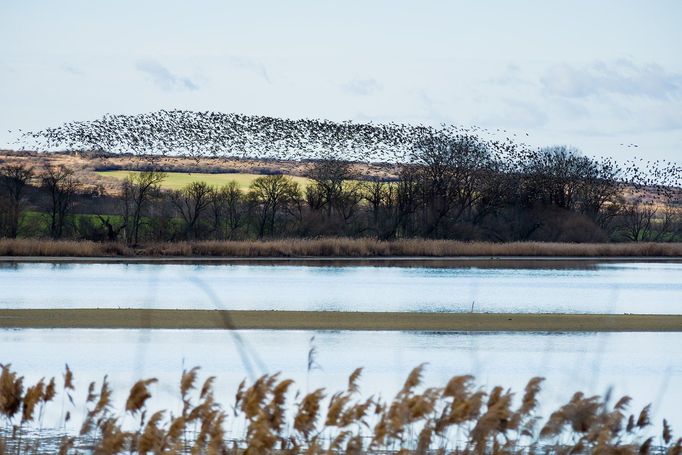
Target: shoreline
(341, 249)
(332, 320)
(345, 261)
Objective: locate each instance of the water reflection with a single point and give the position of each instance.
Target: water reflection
(643, 365)
(595, 288)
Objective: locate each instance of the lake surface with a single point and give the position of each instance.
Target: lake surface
(593, 288)
(647, 366)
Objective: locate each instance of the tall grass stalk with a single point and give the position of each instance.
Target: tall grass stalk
(458, 417)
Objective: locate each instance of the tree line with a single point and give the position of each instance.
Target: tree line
(448, 188)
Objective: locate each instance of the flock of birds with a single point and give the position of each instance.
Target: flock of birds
(201, 134)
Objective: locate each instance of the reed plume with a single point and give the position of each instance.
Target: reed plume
(33, 396)
(139, 394)
(11, 391)
(458, 417)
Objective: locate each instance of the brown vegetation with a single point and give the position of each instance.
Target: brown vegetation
(46, 248)
(456, 417)
(334, 247)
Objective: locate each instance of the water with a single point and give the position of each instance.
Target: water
(595, 288)
(647, 366)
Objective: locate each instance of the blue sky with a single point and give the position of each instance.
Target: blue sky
(590, 74)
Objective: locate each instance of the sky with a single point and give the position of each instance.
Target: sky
(591, 74)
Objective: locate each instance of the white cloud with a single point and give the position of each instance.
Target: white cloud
(362, 87)
(251, 65)
(71, 69)
(511, 75)
(620, 77)
(163, 77)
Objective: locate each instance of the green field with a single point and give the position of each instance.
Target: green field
(177, 180)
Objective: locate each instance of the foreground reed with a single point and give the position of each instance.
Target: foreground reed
(335, 247)
(458, 417)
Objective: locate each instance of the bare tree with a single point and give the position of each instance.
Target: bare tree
(227, 209)
(191, 202)
(375, 192)
(448, 171)
(112, 231)
(272, 193)
(329, 177)
(406, 203)
(348, 204)
(14, 180)
(60, 184)
(560, 176)
(138, 190)
(638, 220)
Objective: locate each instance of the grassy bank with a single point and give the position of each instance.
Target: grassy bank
(335, 320)
(336, 247)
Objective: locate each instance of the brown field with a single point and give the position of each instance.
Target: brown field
(333, 320)
(87, 166)
(336, 247)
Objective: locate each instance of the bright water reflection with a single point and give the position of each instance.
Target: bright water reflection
(647, 366)
(601, 288)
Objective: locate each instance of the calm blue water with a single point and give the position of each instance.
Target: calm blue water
(647, 366)
(602, 288)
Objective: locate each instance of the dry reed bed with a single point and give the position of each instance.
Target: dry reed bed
(458, 417)
(336, 247)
